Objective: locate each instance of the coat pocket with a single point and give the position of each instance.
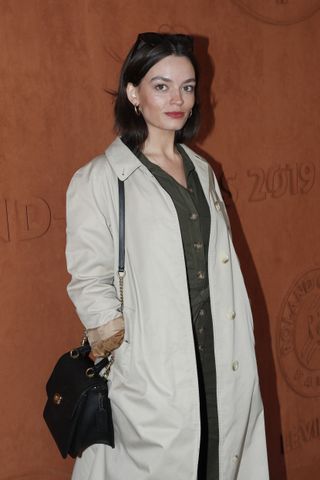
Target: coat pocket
(122, 355)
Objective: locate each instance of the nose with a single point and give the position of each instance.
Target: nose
(177, 97)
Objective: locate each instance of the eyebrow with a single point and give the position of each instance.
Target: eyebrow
(164, 79)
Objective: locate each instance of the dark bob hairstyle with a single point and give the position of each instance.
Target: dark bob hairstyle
(148, 50)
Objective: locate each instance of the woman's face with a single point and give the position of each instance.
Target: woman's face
(166, 94)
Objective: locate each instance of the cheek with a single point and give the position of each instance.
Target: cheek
(190, 100)
(153, 101)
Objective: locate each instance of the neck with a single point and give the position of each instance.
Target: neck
(160, 142)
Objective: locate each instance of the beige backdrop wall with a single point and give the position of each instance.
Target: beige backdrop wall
(57, 57)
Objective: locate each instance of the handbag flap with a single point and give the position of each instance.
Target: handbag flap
(69, 383)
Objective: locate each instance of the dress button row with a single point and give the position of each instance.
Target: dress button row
(202, 312)
(193, 216)
(201, 348)
(201, 330)
(198, 245)
(201, 275)
(235, 365)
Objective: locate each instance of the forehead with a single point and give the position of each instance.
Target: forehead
(173, 67)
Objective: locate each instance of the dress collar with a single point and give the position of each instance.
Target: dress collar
(157, 170)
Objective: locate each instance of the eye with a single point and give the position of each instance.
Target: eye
(189, 88)
(161, 87)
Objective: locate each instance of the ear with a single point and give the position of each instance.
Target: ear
(132, 94)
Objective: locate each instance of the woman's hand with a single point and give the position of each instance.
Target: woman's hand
(106, 338)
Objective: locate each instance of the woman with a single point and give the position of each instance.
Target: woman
(184, 386)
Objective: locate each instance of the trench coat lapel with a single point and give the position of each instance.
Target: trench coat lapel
(212, 192)
(202, 169)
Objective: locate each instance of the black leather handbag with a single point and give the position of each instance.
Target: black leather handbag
(78, 410)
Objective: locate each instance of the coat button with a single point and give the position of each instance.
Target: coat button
(197, 245)
(193, 216)
(235, 365)
(200, 275)
(225, 259)
(232, 315)
(235, 458)
(202, 312)
(201, 330)
(217, 205)
(201, 348)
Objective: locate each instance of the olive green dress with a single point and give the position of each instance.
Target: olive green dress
(194, 219)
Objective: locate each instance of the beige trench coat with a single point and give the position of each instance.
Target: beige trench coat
(153, 383)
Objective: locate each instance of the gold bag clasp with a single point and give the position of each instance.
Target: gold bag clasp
(57, 398)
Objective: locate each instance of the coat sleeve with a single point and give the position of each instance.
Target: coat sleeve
(90, 255)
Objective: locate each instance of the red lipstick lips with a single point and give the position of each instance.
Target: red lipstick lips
(175, 114)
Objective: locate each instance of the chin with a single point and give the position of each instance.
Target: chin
(174, 124)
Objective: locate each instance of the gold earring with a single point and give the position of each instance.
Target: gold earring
(136, 109)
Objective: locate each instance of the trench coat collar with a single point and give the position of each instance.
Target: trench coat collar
(124, 162)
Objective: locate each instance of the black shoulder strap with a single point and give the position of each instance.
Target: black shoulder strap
(121, 226)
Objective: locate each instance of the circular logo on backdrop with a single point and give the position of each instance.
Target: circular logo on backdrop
(280, 12)
(299, 335)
